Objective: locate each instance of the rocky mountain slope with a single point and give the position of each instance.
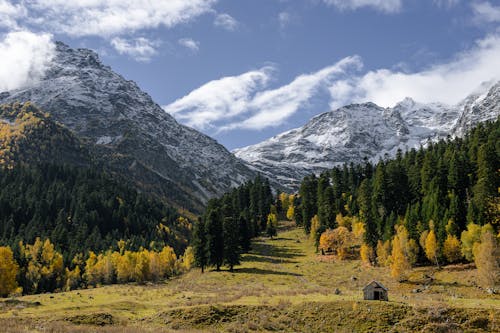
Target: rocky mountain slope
(366, 131)
(129, 133)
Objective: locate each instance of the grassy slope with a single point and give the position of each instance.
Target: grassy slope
(282, 285)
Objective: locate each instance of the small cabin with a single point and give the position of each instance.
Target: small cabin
(375, 291)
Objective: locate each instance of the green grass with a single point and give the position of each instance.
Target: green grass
(281, 285)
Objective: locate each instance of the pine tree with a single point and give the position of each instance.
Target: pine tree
(308, 192)
(365, 207)
(272, 223)
(199, 243)
(215, 239)
(232, 248)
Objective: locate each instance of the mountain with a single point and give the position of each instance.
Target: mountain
(128, 133)
(366, 131)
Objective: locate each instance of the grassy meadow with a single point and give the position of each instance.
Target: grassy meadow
(281, 285)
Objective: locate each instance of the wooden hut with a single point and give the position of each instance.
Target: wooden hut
(375, 291)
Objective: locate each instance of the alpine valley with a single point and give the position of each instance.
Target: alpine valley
(357, 132)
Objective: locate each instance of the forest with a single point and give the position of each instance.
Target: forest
(224, 231)
(59, 225)
(438, 204)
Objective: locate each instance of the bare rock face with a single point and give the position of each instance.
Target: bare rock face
(129, 133)
(357, 132)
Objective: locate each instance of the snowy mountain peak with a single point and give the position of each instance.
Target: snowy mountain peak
(129, 133)
(358, 131)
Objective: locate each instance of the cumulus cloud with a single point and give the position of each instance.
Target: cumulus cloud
(10, 13)
(113, 17)
(387, 6)
(226, 21)
(25, 58)
(141, 49)
(117, 21)
(190, 44)
(244, 102)
(485, 12)
(447, 82)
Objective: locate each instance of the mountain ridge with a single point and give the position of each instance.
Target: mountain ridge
(362, 131)
(129, 133)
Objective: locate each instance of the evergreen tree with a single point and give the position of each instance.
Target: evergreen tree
(215, 239)
(199, 243)
(232, 249)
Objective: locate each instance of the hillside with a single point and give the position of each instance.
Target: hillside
(282, 285)
(129, 133)
(29, 136)
(52, 189)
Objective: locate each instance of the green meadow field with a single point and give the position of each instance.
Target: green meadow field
(282, 285)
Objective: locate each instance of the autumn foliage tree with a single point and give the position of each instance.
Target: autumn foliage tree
(403, 254)
(452, 249)
(337, 240)
(8, 271)
(487, 257)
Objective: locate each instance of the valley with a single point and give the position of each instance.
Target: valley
(282, 285)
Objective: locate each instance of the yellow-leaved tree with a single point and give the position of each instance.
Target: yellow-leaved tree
(45, 268)
(469, 237)
(486, 257)
(337, 240)
(431, 247)
(403, 255)
(384, 253)
(8, 271)
(452, 249)
(367, 254)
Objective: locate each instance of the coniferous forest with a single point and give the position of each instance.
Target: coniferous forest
(433, 197)
(224, 231)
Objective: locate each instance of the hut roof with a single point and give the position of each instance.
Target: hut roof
(377, 284)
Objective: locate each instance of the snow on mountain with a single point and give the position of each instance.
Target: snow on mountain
(365, 131)
(130, 133)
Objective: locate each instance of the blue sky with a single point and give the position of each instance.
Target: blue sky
(242, 71)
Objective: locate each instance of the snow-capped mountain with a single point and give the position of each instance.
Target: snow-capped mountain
(358, 131)
(129, 133)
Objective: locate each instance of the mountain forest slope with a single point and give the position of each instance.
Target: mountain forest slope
(129, 133)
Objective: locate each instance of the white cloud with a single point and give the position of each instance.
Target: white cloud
(243, 102)
(141, 49)
(273, 107)
(190, 44)
(485, 12)
(387, 6)
(113, 17)
(25, 57)
(10, 13)
(220, 99)
(226, 21)
(447, 82)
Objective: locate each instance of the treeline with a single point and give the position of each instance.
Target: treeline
(39, 267)
(426, 197)
(82, 210)
(224, 231)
